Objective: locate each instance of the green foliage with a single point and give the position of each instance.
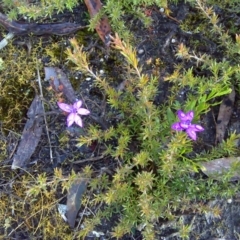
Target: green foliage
(116, 11)
(34, 11)
(155, 166)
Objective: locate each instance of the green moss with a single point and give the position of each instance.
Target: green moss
(18, 83)
(16, 90)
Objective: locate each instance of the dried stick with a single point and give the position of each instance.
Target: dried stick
(45, 119)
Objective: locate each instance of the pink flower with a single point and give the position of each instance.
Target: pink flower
(186, 125)
(74, 111)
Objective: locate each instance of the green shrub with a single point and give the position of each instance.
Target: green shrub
(154, 170)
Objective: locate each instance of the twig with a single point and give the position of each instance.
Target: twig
(45, 119)
(89, 159)
(13, 151)
(38, 29)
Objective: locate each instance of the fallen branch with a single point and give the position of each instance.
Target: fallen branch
(17, 28)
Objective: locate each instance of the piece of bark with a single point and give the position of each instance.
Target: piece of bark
(103, 27)
(224, 115)
(60, 83)
(31, 134)
(217, 167)
(18, 28)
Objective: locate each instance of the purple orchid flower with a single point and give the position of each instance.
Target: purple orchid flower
(73, 111)
(186, 125)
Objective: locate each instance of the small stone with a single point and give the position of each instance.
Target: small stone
(101, 71)
(88, 79)
(140, 51)
(62, 209)
(162, 10)
(173, 40)
(97, 234)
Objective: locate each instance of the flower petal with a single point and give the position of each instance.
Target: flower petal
(196, 128)
(191, 133)
(184, 125)
(77, 104)
(176, 126)
(71, 119)
(185, 116)
(65, 107)
(78, 121)
(83, 111)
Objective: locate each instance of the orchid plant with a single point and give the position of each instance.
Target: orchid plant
(74, 111)
(185, 124)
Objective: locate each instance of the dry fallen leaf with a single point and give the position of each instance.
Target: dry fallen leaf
(31, 134)
(224, 115)
(103, 27)
(217, 167)
(60, 83)
(74, 197)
